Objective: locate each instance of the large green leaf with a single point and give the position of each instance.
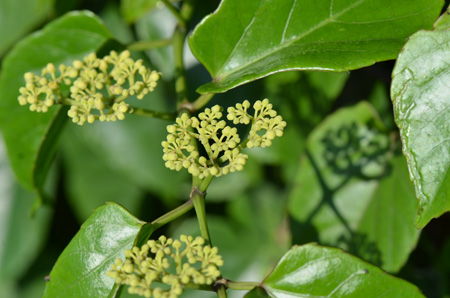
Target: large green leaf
(420, 93)
(80, 270)
(350, 193)
(246, 40)
(30, 137)
(314, 271)
(19, 17)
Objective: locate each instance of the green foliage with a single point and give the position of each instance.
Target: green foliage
(81, 268)
(330, 272)
(17, 18)
(347, 183)
(305, 35)
(420, 97)
(63, 40)
(321, 162)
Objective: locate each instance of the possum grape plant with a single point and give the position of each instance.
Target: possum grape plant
(251, 148)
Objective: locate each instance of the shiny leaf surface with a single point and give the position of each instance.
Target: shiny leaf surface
(315, 271)
(420, 95)
(80, 270)
(246, 40)
(27, 133)
(350, 193)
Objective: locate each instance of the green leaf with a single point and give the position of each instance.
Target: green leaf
(236, 44)
(19, 17)
(444, 21)
(257, 292)
(22, 236)
(31, 137)
(350, 192)
(134, 9)
(80, 270)
(91, 182)
(315, 271)
(420, 94)
(388, 219)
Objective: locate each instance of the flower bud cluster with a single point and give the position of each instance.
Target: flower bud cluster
(171, 262)
(221, 142)
(266, 124)
(97, 87)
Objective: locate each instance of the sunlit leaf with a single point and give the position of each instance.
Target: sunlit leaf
(246, 40)
(80, 270)
(420, 94)
(315, 271)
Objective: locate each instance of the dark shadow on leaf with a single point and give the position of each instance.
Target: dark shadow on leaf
(358, 244)
(354, 150)
(351, 151)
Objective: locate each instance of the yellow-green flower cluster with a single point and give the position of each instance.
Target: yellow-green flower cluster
(171, 262)
(221, 142)
(97, 87)
(264, 119)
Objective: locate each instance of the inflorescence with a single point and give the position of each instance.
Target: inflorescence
(97, 87)
(174, 263)
(221, 142)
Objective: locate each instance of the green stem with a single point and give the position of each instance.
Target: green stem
(181, 20)
(205, 183)
(154, 114)
(198, 198)
(241, 286)
(149, 44)
(222, 292)
(180, 73)
(178, 38)
(201, 101)
(172, 215)
(200, 287)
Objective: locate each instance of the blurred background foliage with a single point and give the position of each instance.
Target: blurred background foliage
(331, 179)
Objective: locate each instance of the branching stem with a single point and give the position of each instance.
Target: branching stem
(198, 198)
(241, 286)
(178, 38)
(221, 291)
(154, 114)
(201, 101)
(172, 215)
